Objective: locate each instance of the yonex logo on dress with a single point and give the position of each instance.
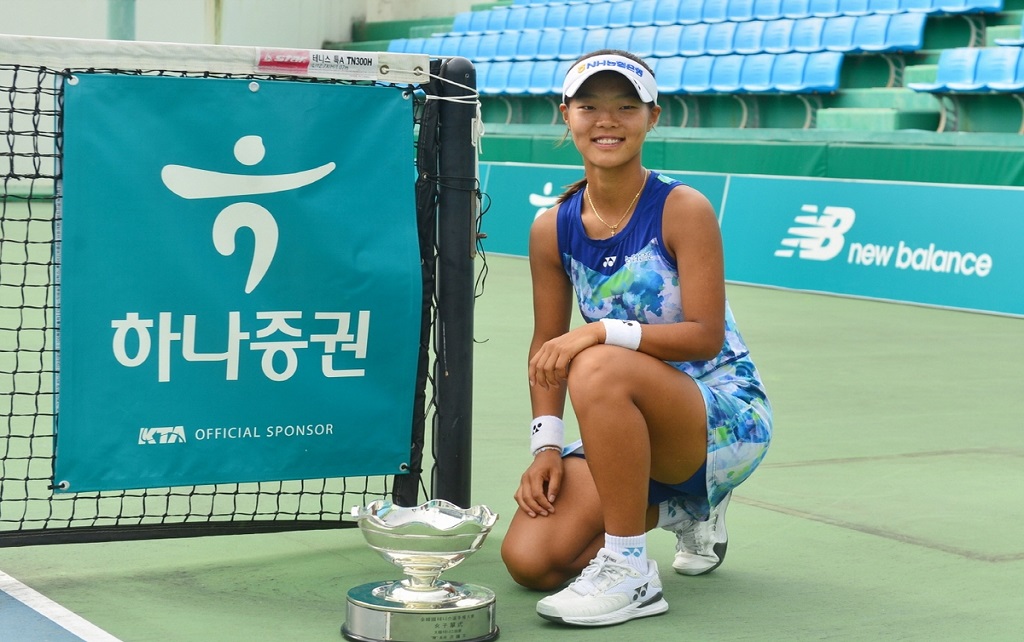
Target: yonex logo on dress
(163, 435)
(819, 238)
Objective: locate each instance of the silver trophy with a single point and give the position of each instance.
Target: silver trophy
(423, 541)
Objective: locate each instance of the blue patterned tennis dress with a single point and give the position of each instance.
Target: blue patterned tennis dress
(632, 276)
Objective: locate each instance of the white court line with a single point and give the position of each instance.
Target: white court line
(54, 612)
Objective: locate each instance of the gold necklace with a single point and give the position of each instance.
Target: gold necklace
(615, 227)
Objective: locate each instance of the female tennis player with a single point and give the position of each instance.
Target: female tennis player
(671, 410)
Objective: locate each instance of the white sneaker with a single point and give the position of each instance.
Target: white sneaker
(700, 546)
(608, 591)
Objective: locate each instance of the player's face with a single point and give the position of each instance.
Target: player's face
(607, 119)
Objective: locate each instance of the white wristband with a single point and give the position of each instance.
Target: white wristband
(546, 430)
(625, 334)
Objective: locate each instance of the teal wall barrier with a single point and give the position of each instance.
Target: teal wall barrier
(951, 246)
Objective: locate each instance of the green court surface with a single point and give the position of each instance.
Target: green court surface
(888, 508)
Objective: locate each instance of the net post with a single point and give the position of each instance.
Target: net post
(455, 288)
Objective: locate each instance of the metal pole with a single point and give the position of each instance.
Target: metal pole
(121, 19)
(456, 250)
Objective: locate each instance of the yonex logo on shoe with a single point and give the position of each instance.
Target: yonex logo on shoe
(819, 238)
(640, 592)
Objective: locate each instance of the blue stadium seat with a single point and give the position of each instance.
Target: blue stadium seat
(1013, 42)
(550, 44)
(824, 8)
(596, 39)
(508, 45)
(749, 37)
(720, 38)
(519, 77)
(415, 45)
(788, 71)
(806, 35)
(725, 73)
(885, 6)
(641, 42)
(666, 12)
(740, 10)
(516, 18)
(620, 15)
(576, 17)
(487, 49)
(821, 75)
(669, 74)
(397, 45)
(995, 65)
(469, 44)
(643, 13)
(924, 6)
(497, 19)
(767, 9)
(666, 40)
(697, 74)
(478, 22)
(694, 41)
(462, 22)
(536, 17)
(432, 45)
(571, 46)
(450, 45)
(778, 36)
(482, 69)
(870, 32)
(690, 12)
(855, 7)
(542, 80)
(796, 8)
(619, 37)
(1015, 84)
(756, 76)
(560, 71)
(556, 16)
(906, 32)
(529, 44)
(956, 65)
(599, 14)
(969, 6)
(497, 78)
(715, 11)
(837, 34)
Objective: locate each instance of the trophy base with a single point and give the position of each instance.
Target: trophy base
(466, 615)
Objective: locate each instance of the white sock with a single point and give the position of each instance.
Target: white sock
(671, 513)
(633, 548)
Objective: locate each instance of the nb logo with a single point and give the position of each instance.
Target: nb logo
(818, 238)
(165, 435)
(609, 261)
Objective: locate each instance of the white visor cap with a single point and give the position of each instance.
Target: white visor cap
(642, 79)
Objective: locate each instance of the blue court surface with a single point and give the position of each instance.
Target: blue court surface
(28, 616)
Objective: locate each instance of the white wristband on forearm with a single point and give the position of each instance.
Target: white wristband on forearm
(546, 430)
(625, 334)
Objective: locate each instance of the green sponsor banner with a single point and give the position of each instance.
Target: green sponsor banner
(240, 282)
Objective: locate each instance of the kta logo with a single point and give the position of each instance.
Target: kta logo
(164, 435)
(192, 182)
(818, 237)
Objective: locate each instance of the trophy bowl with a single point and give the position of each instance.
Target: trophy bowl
(423, 541)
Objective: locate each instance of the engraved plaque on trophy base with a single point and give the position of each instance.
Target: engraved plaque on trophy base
(464, 614)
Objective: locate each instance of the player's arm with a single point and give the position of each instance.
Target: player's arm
(692, 236)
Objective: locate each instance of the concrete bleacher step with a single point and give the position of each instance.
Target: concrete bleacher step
(876, 119)
(899, 98)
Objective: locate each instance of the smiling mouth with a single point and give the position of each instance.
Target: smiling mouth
(607, 141)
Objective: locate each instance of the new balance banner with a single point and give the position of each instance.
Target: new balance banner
(942, 245)
(240, 282)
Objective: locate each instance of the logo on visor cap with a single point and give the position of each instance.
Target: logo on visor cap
(641, 78)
